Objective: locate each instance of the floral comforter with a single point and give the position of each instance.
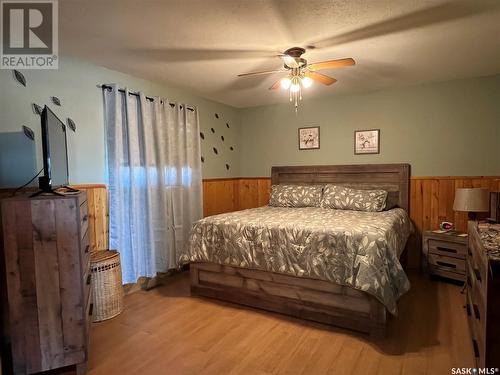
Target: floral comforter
(358, 249)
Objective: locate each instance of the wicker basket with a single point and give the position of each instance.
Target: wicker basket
(107, 290)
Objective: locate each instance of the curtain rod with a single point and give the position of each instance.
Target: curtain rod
(107, 87)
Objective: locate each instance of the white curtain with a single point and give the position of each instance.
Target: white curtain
(154, 176)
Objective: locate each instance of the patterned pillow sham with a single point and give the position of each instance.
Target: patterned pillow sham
(295, 195)
(344, 198)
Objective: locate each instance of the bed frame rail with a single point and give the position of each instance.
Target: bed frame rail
(303, 298)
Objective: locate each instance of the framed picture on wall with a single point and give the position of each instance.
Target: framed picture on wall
(309, 138)
(367, 141)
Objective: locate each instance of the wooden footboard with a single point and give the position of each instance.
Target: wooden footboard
(304, 298)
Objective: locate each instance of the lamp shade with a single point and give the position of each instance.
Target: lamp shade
(472, 200)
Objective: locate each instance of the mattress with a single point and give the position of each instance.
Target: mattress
(352, 248)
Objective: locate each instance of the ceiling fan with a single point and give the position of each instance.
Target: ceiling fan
(301, 74)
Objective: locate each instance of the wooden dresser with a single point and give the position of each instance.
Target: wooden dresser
(483, 301)
(47, 262)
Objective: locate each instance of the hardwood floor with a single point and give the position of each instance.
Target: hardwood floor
(165, 331)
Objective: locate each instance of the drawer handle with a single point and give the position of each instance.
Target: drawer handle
(467, 307)
(445, 249)
(476, 348)
(91, 310)
(87, 248)
(444, 264)
(89, 277)
(476, 311)
(85, 218)
(477, 274)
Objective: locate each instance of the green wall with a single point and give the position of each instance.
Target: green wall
(75, 83)
(449, 128)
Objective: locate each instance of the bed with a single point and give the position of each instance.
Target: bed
(337, 267)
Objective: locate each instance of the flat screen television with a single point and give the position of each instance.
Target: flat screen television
(55, 152)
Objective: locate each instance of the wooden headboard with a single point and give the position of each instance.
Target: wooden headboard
(394, 178)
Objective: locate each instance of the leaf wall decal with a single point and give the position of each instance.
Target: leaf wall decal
(71, 124)
(28, 133)
(215, 151)
(20, 77)
(227, 166)
(56, 100)
(37, 109)
(202, 135)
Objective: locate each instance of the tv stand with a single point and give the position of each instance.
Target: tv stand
(46, 188)
(51, 191)
(69, 189)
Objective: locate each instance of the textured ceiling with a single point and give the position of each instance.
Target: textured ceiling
(202, 45)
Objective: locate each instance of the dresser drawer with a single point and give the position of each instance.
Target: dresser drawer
(478, 313)
(85, 250)
(477, 275)
(447, 263)
(89, 307)
(84, 219)
(474, 281)
(470, 279)
(449, 249)
(476, 252)
(477, 341)
(87, 285)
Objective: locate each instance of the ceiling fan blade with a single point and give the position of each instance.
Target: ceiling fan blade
(262, 72)
(199, 54)
(324, 79)
(275, 85)
(448, 11)
(289, 61)
(331, 64)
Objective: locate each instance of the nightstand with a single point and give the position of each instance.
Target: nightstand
(444, 254)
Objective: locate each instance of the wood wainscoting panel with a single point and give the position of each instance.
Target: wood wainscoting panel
(220, 196)
(98, 215)
(253, 192)
(234, 194)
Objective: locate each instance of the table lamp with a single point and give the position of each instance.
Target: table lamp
(472, 200)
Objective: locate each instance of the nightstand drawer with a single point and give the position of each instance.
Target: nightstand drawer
(447, 263)
(445, 248)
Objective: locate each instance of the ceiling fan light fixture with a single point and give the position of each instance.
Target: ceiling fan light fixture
(307, 82)
(300, 74)
(285, 83)
(295, 87)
